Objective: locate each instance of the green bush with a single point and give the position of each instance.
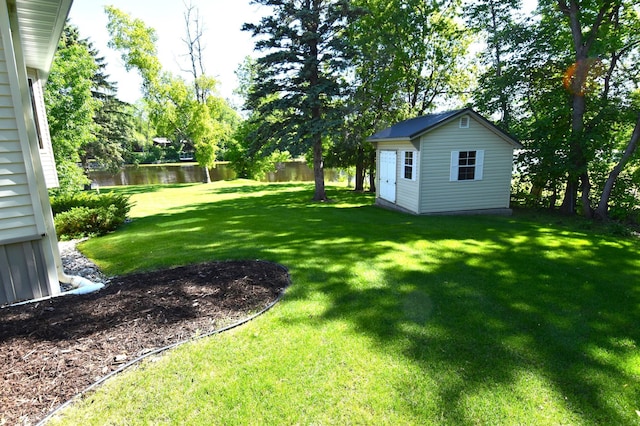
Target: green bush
(66, 201)
(171, 154)
(81, 214)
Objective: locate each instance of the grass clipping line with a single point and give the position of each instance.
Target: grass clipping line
(59, 349)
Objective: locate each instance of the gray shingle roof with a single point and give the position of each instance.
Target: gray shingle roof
(414, 127)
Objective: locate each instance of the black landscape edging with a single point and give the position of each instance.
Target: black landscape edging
(166, 348)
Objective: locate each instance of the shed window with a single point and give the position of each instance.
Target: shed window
(464, 122)
(466, 165)
(409, 165)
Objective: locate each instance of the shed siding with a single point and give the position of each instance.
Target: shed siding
(439, 194)
(16, 206)
(406, 191)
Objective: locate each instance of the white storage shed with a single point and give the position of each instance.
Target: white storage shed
(454, 162)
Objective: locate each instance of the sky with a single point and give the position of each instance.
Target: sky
(225, 44)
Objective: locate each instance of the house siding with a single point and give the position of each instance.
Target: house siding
(438, 194)
(29, 258)
(407, 191)
(46, 150)
(22, 272)
(16, 206)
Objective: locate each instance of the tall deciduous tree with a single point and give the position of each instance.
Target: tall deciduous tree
(496, 21)
(604, 41)
(71, 106)
(305, 54)
(177, 109)
(568, 76)
(516, 87)
(137, 44)
(429, 47)
(410, 59)
(203, 129)
(586, 29)
(413, 52)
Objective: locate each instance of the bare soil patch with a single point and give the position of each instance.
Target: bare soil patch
(53, 350)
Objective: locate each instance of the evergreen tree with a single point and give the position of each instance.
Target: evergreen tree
(114, 122)
(300, 76)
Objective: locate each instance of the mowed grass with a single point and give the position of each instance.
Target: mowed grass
(391, 318)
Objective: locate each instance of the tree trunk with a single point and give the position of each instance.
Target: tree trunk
(318, 169)
(503, 97)
(602, 211)
(553, 198)
(568, 205)
(536, 191)
(359, 170)
(359, 178)
(576, 82)
(372, 172)
(587, 210)
(578, 162)
(207, 176)
(314, 97)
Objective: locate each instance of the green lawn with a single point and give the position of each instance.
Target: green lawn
(391, 318)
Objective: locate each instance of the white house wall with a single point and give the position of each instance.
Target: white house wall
(438, 194)
(29, 257)
(46, 148)
(17, 213)
(407, 195)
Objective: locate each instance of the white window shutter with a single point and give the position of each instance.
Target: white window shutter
(414, 165)
(414, 169)
(453, 171)
(479, 164)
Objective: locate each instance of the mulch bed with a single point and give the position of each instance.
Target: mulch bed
(54, 349)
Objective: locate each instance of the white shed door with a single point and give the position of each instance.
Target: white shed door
(388, 175)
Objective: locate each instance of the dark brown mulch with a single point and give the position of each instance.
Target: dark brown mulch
(52, 350)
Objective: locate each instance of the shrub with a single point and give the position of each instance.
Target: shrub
(81, 214)
(71, 176)
(66, 201)
(171, 154)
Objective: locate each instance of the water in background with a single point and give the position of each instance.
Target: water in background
(294, 171)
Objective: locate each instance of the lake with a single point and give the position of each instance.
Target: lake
(153, 174)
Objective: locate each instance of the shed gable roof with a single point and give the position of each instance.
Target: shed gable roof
(416, 127)
(409, 129)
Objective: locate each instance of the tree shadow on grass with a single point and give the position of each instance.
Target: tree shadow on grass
(253, 188)
(143, 189)
(480, 304)
(484, 321)
(259, 224)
